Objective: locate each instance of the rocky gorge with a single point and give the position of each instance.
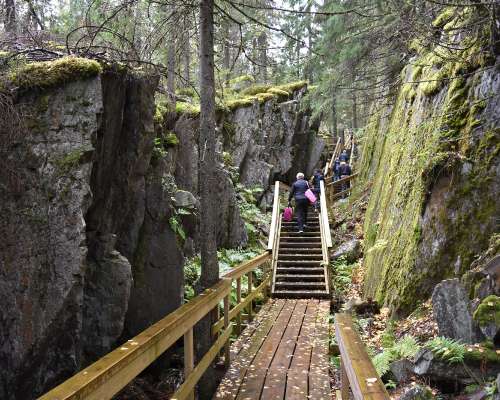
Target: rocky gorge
(91, 193)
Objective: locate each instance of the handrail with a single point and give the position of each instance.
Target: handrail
(356, 368)
(278, 186)
(236, 274)
(324, 214)
(340, 181)
(275, 215)
(108, 375)
(329, 164)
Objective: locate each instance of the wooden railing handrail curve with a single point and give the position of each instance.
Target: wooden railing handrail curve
(108, 375)
(356, 368)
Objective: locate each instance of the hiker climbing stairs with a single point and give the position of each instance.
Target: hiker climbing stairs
(300, 272)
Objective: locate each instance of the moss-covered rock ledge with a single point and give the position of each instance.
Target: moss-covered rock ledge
(46, 74)
(432, 157)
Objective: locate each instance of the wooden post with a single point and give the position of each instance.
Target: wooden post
(227, 354)
(188, 357)
(344, 381)
(238, 301)
(250, 305)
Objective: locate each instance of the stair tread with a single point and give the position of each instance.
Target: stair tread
(299, 276)
(298, 284)
(314, 262)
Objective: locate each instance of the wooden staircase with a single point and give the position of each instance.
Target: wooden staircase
(300, 270)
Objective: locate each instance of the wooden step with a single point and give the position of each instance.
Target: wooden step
(295, 228)
(287, 239)
(301, 250)
(294, 223)
(297, 244)
(314, 257)
(300, 277)
(299, 270)
(301, 294)
(299, 263)
(301, 234)
(297, 285)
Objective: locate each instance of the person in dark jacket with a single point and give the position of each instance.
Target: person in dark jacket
(336, 166)
(344, 171)
(344, 156)
(316, 179)
(298, 191)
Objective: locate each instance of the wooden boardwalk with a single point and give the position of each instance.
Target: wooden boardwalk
(282, 354)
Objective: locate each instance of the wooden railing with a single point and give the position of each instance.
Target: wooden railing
(326, 238)
(356, 368)
(107, 376)
(335, 154)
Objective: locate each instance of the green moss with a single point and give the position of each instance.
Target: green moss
(263, 97)
(446, 16)
(191, 110)
(292, 87)
(255, 89)
(53, 73)
(282, 94)
(69, 161)
(171, 139)
(488, 311)
(242, 102)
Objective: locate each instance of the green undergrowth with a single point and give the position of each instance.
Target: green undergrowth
(231, 258)
(426, 140)
(448, 350)
(46, 74)
(341, 275)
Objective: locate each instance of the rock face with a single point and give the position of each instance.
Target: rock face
(451, 309)
(43, 251)
(87, 255)
(282, 143)
(432, 157)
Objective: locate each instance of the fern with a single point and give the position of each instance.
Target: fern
(447, 349)
(382, 362)
(407, 347)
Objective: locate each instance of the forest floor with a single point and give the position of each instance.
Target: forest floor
(376, 326)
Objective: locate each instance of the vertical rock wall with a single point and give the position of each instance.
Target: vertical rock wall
(431, 156)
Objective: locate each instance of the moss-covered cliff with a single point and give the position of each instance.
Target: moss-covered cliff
(431, 157)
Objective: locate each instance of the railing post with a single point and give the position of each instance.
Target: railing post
(250, 305)
(188, 357)
(227, 353)
(238, 301)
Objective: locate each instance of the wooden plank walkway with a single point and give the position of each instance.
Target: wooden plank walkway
(282, 354)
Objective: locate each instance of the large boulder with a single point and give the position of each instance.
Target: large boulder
(450, 304)
(351, 250)
(453, 376)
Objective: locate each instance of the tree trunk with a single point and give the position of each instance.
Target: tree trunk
(262, 42)
(226, 60)
(354, 111)
(171, 55)
(207, 167)
(10, 17)
(335, 131)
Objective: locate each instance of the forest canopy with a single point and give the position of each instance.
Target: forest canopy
(350, 52)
